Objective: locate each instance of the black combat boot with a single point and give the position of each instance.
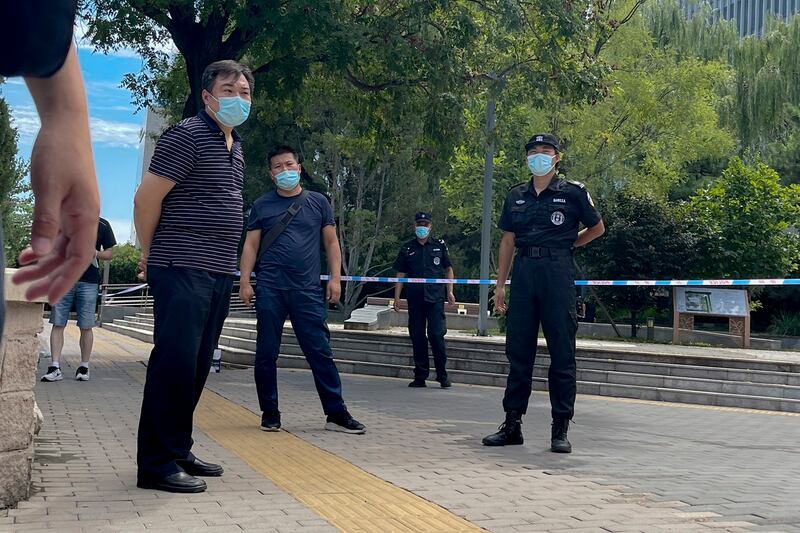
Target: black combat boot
(510, 431)
(558, 439)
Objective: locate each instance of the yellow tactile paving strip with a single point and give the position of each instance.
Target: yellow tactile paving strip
(346, 496)
(349, 498)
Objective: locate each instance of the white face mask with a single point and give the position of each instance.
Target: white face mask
(233, 110)
(540, 164)
(287, 180)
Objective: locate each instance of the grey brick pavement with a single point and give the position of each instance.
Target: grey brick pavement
(723, 468)
(85, 476)
(636, 466)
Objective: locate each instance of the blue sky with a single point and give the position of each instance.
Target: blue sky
(114, 125)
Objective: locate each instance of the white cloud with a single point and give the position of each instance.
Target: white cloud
(122, 229)
(120, 134)
(115, 108)
(26, 120)
(85, 43)
(107, 132)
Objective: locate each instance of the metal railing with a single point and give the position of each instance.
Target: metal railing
(137, 295)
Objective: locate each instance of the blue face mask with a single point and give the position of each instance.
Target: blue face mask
(540, 164)
(287, 180)
(422, 231)
(233, 110)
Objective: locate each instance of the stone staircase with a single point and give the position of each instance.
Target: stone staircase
(602, 370)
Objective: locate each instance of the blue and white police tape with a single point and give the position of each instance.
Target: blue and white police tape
(126, 291)
(593, 282)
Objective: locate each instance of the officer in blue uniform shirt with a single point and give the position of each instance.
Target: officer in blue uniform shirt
(540, 220)
(425, 257)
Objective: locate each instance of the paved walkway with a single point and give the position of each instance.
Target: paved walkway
(637, 466)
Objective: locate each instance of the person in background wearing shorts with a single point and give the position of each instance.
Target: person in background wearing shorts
(84, 295)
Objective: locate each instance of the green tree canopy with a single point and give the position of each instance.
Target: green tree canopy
(124, 265)
(646, 238)
(747, 223)
(16, 201)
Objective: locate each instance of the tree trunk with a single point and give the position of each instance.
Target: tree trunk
(194, 102)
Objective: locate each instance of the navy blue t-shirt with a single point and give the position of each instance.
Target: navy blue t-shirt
(293, 260)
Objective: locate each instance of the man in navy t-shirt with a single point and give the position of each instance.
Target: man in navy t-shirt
(288, 284)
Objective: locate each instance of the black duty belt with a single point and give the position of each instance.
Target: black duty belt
(536, 251)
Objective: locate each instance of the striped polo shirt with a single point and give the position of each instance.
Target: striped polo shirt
(201, 217)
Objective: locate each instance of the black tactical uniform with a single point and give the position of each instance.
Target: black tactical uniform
(426, 303)
(545, 227)
(543, 288)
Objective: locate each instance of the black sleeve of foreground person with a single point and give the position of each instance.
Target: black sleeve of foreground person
(105, 235)
(35, 36)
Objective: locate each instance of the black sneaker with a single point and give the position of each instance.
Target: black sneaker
(82, 373)
(342, 421)
(445, 383)
(558, 439)
(509, 432)
(53, 374)
(271, 421)
(417, 383)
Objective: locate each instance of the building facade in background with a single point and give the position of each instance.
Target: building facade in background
(154, 125)
(750, 15)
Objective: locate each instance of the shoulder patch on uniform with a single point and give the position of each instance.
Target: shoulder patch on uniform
(577, 184)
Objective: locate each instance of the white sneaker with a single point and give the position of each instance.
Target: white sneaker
(53, 374)
(82, 374)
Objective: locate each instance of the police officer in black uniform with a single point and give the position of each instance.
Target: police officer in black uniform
(540, 219)
(425, 257)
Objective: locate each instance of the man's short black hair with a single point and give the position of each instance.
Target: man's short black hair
(282, 149)
(226, 68)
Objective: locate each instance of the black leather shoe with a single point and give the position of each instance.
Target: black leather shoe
(445, 383)
(417, 383)
(558, 439)
(176, 482)
(200, 468)
(510, 432)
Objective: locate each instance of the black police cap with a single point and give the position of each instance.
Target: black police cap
(543, 138)
(422, 215)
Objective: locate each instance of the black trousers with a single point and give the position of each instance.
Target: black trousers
(190, 307)
(427, 317)
(309, 314)
(542, 292)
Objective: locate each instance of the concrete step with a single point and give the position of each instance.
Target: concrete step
(540, 383)
(649, 380)
(347, 342)
(493, 349)
(478, 360)
(145, 335)
(623, 374)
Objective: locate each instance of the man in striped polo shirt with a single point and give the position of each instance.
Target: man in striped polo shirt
(188, 215)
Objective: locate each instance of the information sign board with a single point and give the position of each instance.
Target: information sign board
(707, 301)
